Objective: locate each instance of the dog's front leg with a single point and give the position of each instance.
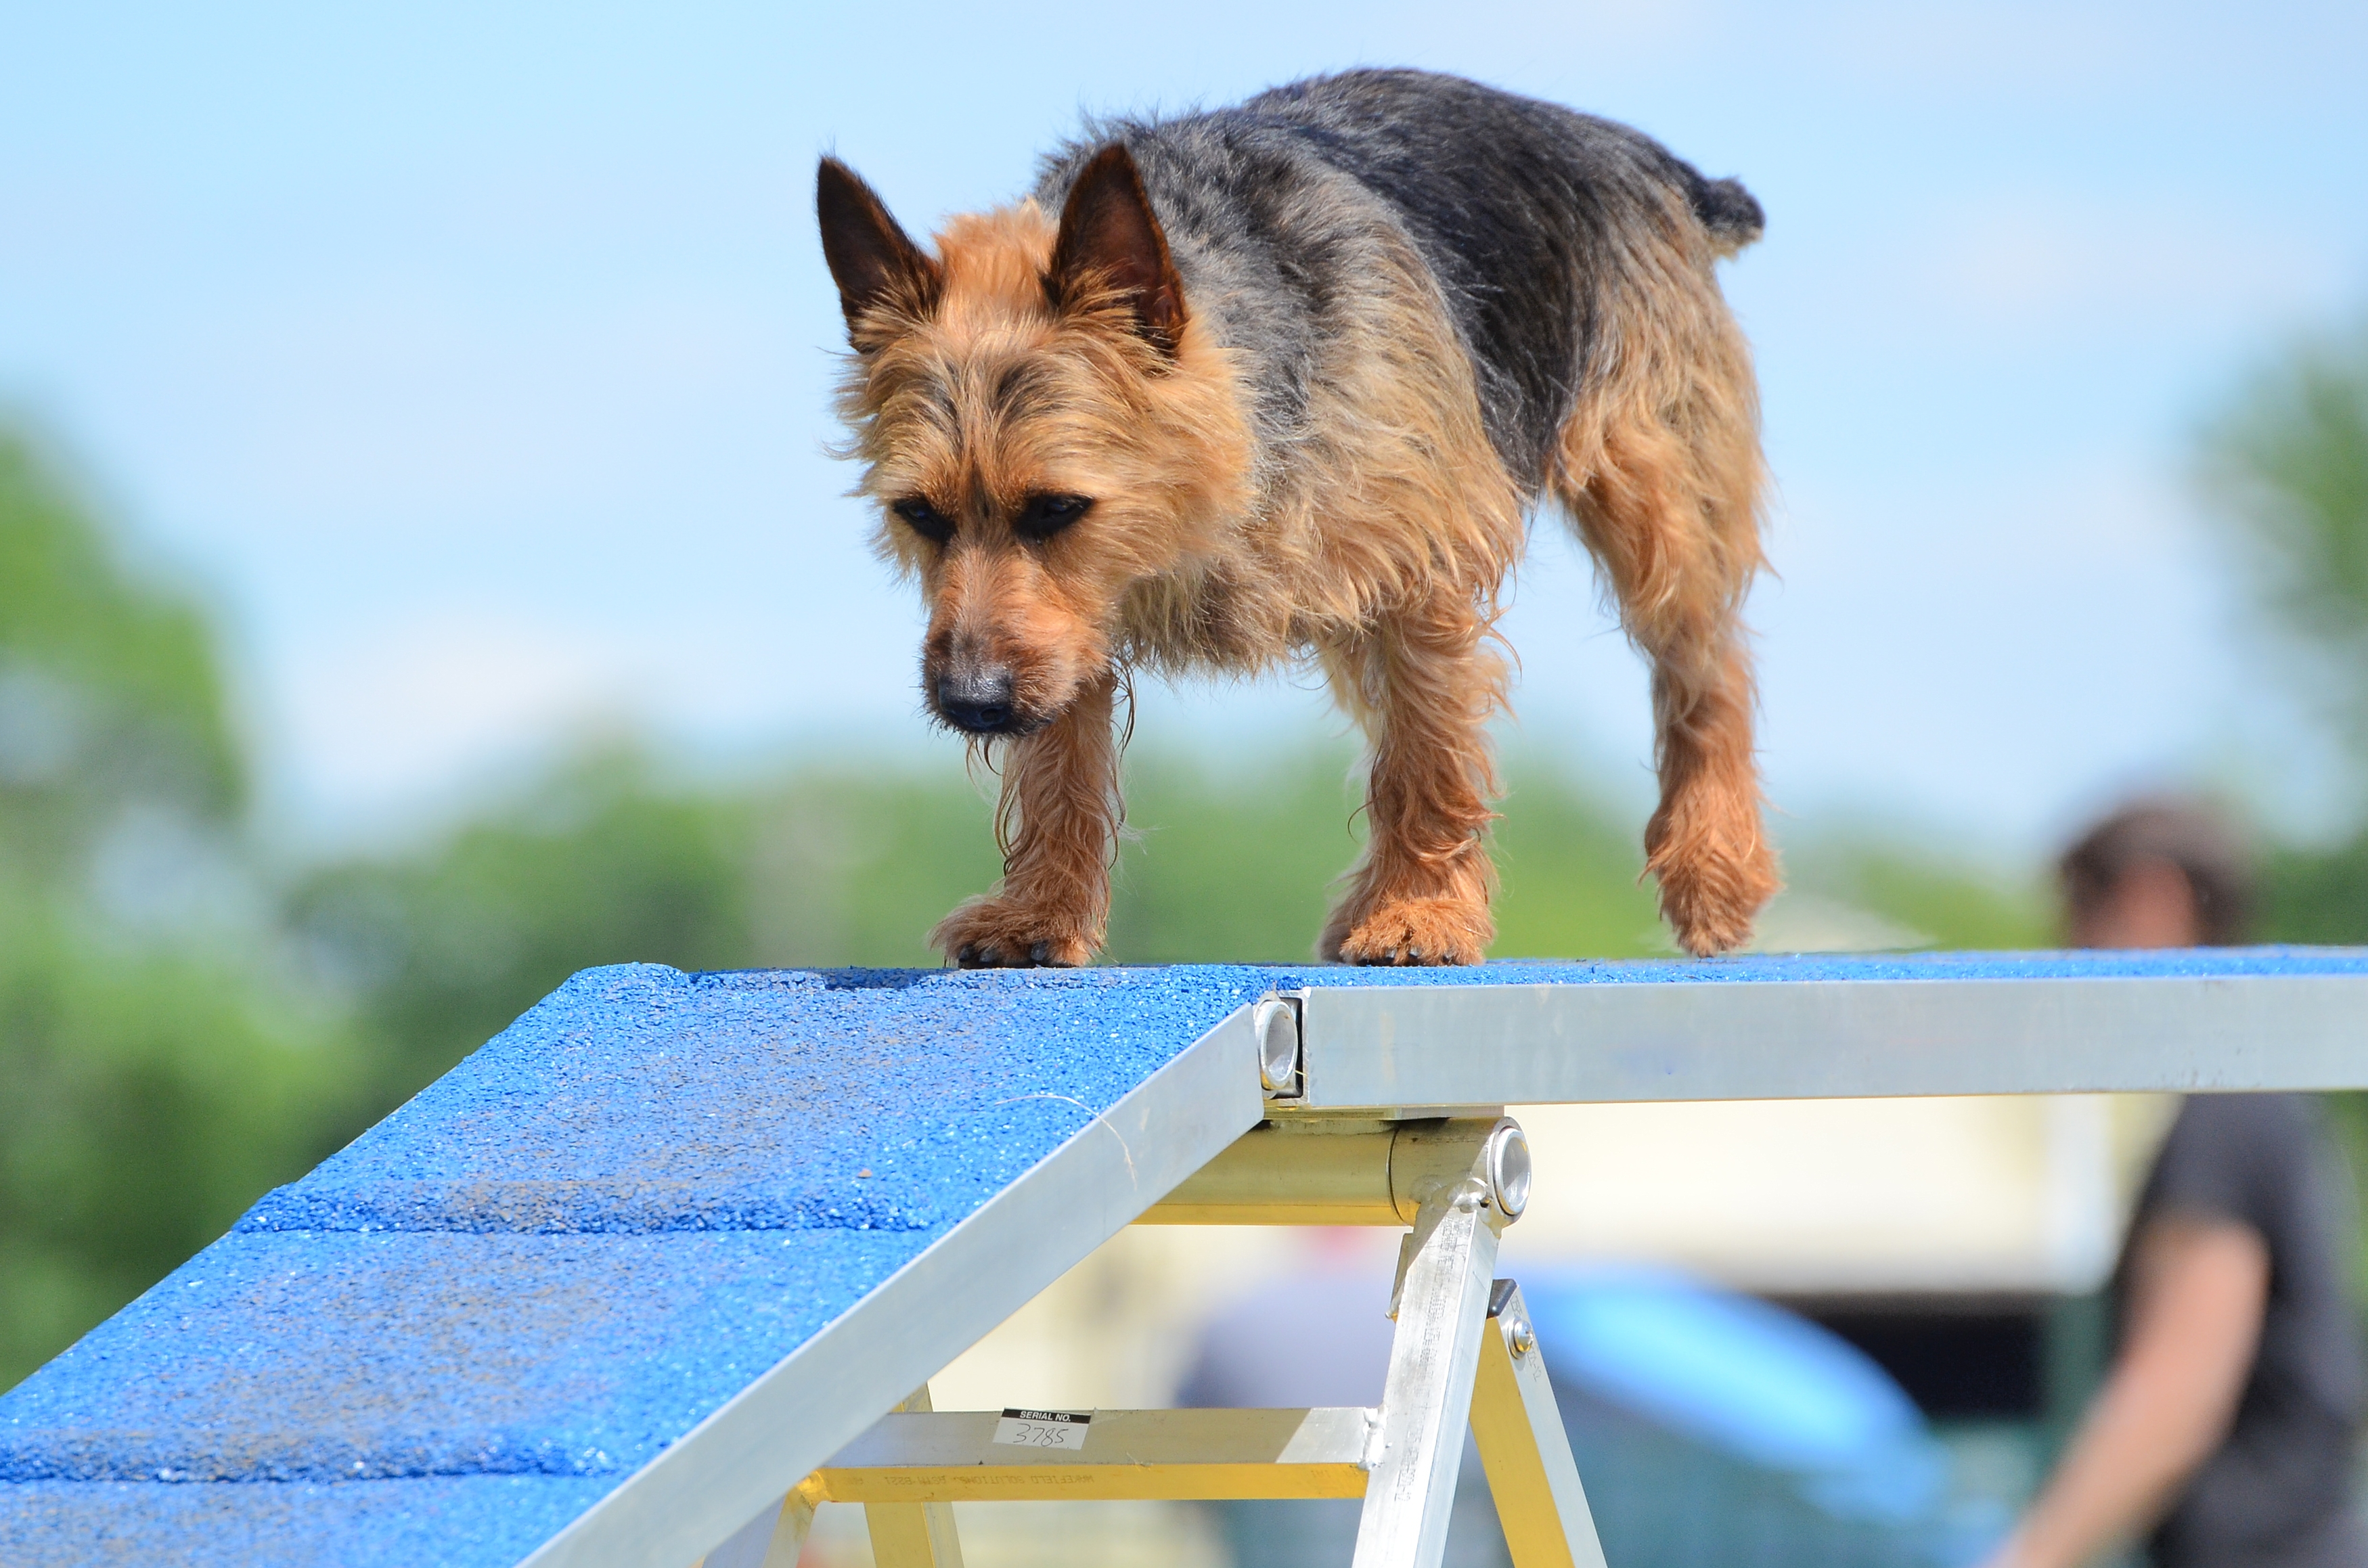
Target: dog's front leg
(1057, 820)
(1422, 684)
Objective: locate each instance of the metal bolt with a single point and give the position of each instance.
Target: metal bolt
(1509, 1168)
(1276, 1023)
(1521, 1336)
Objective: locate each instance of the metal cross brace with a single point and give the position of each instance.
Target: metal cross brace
(1463, 1343)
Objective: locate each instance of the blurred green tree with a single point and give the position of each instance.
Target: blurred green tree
(2316, 895)
(154, 1080)
(110, 693)
(2286, 466)
(2287, 463)
(147, 1096)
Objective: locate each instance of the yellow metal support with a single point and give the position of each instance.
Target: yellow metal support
(1523, 1446)
(1316, 1171)
(1165, 1455)
(1463, 1348)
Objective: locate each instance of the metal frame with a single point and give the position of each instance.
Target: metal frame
(1463, 1349)
(1445, 1269)
(1369, 1047)
(1349, 1083)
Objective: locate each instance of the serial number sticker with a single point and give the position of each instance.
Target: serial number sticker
(1043, 1428)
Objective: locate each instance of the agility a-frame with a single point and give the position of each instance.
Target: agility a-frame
(663, 1266)
(1464, 1343)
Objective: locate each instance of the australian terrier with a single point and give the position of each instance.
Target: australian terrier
(1281, 382)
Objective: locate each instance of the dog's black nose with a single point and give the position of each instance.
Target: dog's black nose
(976, 699)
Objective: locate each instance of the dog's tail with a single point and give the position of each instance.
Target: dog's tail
(1731, 213)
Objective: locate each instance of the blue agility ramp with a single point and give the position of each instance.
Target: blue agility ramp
(607, 1291)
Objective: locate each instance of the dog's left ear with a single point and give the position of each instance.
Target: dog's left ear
(1111, 237)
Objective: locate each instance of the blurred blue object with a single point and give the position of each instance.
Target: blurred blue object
(1754, 1381)
(1709, 1428)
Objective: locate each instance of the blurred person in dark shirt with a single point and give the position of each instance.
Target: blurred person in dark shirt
(2226, 1425)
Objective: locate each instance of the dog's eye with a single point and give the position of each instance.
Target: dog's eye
(924, 518)
(1045, 516)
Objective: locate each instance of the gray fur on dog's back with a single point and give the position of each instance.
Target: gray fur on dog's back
(1527, 214)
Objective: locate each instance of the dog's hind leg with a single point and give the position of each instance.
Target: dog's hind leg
(1057, 821)
(1422, 682)
(1664, 486)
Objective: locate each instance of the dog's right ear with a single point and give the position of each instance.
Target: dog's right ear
(871, 258)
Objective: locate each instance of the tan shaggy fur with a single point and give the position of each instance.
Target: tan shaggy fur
(1380, 550)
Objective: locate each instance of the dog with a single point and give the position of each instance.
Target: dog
(1280, 383)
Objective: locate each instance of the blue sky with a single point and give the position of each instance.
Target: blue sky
(477, 363)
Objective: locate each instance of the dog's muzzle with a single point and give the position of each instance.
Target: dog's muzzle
(978, 700)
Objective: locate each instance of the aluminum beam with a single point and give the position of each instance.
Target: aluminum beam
(1316, 1171)
(1444, 1269)
(1381, 1050)
(1129, 1454)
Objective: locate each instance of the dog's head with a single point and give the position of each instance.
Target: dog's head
(1043, 424)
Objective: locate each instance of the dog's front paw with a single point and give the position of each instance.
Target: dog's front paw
(1415, 931)
(1712, 900)
(1714, 884)
(993, 932)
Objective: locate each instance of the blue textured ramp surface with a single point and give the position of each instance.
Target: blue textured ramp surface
(472, 1324)
(435, 1520)
(464, 1329)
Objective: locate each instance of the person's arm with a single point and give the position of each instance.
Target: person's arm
(2199, 1291)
